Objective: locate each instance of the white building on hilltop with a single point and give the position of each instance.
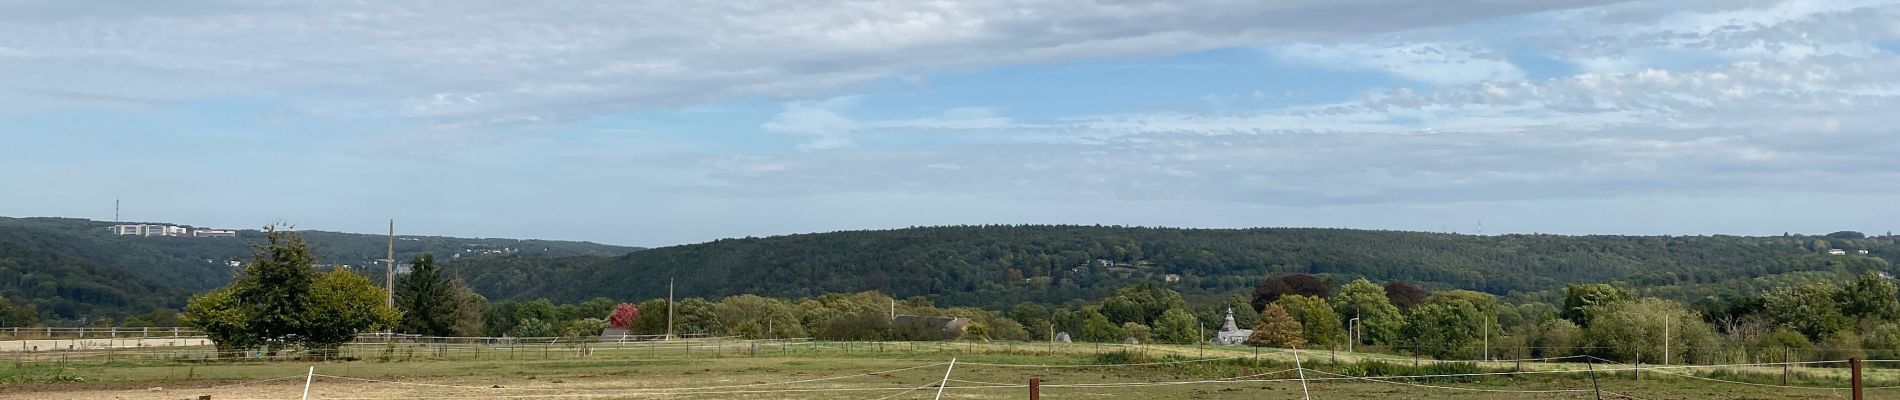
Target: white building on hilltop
(149, 230)
(1230, 334)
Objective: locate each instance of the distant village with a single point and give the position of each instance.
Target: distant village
(150, 230)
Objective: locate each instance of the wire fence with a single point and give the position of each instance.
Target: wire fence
(898, 382)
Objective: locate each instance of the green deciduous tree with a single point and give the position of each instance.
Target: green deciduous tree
(1379, 319)
(1635, 329)
(1871, 296)
(1141, 333)
(1277, 328)
(1177, 326)
(1811, 309)
(1450, 325)
(343, 303)
(1140, 303)
(1095, 327)
(1318, 324)
(1579, 298)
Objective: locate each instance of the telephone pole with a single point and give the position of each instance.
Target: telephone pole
(389, 269)
(669, 308)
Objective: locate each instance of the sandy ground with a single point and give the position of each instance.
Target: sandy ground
(96, 344)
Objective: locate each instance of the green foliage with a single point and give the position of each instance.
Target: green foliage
(222, 318)
(1272, 288)
(1177, 326)
(754, 317)
(1578, 299)
(426, 299)
(534, 328)
(17, 315)
(1095, 327)
(1871, 296)
(468, 310)
(343, 303)
(1139, 332)
(1140, 303)
(1277, 328)
(1379, 319)
(1319, 326)
(74, 268)
(1810, 309)
(1554, 338)
(1632, 330)
(1450, 325)
(1776, 344)
(281, 301)
(996, 267)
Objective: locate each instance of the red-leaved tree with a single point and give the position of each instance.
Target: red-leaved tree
(623, 315)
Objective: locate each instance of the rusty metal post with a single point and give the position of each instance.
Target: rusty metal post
(1851, 362)
(1035, 386)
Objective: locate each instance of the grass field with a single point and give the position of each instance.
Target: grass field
(777, 370)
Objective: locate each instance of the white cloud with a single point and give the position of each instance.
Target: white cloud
(487, 60)
(1435, 63)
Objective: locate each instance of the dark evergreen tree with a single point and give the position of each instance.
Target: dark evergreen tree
(426, 299)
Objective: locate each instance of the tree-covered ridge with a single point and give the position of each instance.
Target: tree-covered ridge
(200, 263)
(68, 269)
(995, 266)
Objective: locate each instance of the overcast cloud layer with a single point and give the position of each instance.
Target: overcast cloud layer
(654, 123)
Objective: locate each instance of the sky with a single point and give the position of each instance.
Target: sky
(655, 123)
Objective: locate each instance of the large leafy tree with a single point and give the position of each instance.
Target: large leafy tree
(1140, 303)
(1095, 327)
(1379, 319)
(1318, 324)
(281, 301)
(1177, 326)
(469, 307)
(1578, 299)
(1632, 330)
(1871, 296)
(1449, 325)
(1811, 309)
(1277, 328)
(426, 299)
(343, 303)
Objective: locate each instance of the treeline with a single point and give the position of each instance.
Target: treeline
(999, 266)
(66, 271)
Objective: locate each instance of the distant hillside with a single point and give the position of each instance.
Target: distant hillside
(1001, 265)
(72, 268)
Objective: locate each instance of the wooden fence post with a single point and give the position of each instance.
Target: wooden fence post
(1853, 363)
(1787, 360)
(1035, 387)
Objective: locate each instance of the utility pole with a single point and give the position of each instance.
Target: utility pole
(389, 269)
(669, 308)
(1666, 342)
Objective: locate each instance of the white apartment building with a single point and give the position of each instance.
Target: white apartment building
(150, 230)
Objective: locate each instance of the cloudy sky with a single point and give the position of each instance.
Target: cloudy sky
(654, 123)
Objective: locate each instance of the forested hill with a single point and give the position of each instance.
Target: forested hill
(70, 268)
(1001, 265)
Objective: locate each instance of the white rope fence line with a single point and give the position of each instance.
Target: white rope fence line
(585, 395)
(1241, 378)
(1748, 383)
(251, 382)
(1445, 387)
(1102, 365)
(893, 395)
(642, 390)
